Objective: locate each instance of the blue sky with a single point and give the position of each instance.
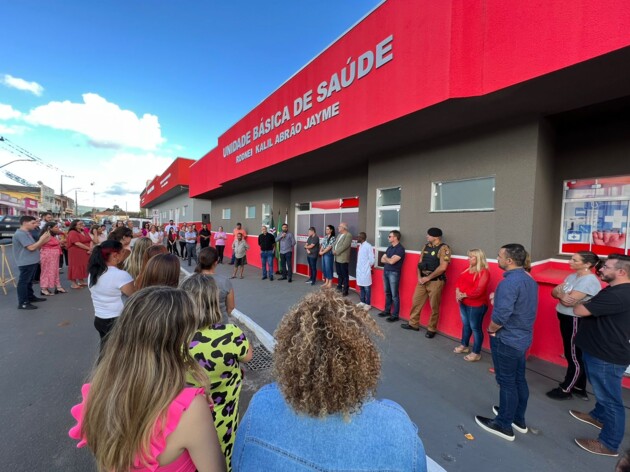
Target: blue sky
(111, 92)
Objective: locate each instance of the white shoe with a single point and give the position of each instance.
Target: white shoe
(367, 307)
(360, 304)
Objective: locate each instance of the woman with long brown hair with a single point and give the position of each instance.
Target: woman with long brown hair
(137, 412)
(49, 282)
(581, 285)
(79, 250)
(162, 269)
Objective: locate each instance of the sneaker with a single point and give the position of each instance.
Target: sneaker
(586, 418)
(520, 427)
(27, 306)
(360, 305)
(595, 447)
(37, 299)
(559, 394)
(391, 319)
(367, 307)
(264, 278)
(308, 282)
(490, 426)
(383, 314)
(581, 394)
(271, 279)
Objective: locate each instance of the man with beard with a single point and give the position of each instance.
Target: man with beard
(604, 338)
(511, 330)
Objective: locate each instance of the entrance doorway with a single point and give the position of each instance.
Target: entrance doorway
(319, 215)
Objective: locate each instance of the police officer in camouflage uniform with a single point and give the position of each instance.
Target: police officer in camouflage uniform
(434, 260)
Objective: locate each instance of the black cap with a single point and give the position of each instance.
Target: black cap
(434, 232)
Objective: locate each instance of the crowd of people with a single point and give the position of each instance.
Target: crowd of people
(333, 374)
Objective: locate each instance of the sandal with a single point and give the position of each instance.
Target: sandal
(60, 290)
(76, 287)
(461, 350)
(472, 357)
(242, 277)
(46, 293)
(233, 277)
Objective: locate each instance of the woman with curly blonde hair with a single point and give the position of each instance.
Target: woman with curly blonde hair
(137, 412)
(322, 410)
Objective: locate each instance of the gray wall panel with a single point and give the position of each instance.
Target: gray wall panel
(237, 203)
(508, 153)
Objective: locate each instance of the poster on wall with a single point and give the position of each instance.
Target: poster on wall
(595, 215)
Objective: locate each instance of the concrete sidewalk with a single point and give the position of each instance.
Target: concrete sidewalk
(442, 393)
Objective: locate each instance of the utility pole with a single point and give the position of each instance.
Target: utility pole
(63, 200)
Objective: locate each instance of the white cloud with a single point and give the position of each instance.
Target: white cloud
(7, 112)
(12, 129)
(128, 172)
(117, 180)
(104, 123)
(21, 84)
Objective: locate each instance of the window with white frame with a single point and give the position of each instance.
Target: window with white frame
(226, 214)
(266, 214)
(464, 195)
(388, 202)
(250, 212)
(184, 208)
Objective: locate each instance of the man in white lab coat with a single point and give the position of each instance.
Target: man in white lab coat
(365, 262)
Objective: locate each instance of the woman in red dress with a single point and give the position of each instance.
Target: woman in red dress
(78, 244)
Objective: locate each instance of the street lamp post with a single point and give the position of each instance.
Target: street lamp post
(63, 202)
(76, 203)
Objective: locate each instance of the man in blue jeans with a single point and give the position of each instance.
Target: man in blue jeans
(603, 338)
(287, 243)
(392, 262)
(312, 254)
(26, 255)
(267, 243)
(515, 303)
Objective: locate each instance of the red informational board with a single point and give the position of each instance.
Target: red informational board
(595, 216)
(406, 56)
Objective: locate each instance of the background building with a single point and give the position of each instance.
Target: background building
(166, 197)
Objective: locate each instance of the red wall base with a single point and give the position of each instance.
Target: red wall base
(547, 343)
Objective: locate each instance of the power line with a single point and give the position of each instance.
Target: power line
(19, 151)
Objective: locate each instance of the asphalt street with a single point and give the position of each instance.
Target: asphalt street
(46, 354)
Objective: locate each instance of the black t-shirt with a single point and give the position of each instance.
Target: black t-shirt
(397, 250)
(204, 242)
(314, 252)
(266, 241)
(606, 333)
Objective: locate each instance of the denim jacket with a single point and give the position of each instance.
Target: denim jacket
(272, 437)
